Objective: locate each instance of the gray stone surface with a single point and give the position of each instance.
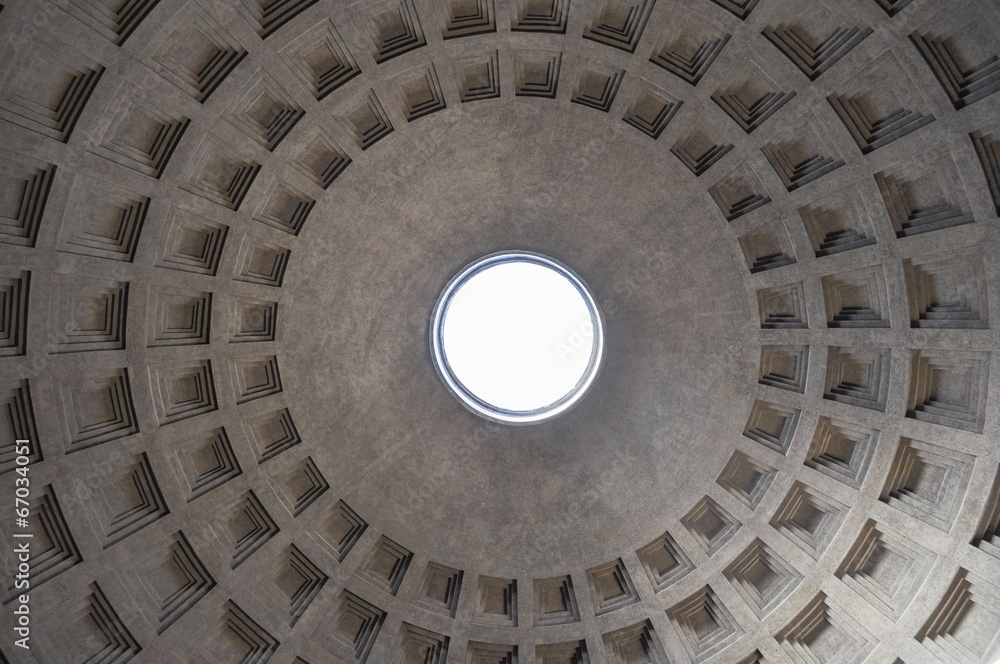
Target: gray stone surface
(224, 229)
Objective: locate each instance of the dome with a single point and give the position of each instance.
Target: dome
(225, 228)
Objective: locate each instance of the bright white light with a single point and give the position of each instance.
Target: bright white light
(517, 337)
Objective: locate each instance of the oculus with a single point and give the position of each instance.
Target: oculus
(517, 337)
